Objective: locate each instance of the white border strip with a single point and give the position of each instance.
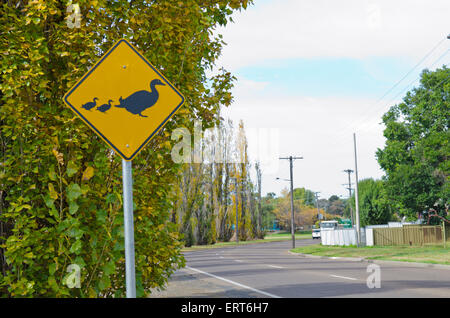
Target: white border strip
(234, 283)
(350, 278)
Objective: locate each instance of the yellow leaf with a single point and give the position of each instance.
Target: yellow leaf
(53, 193)
(29, 255)
(88, 173)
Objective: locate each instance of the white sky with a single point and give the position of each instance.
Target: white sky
(319, 126)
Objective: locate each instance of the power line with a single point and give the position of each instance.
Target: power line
(407, 87)
(363, 123)
(409, 72)
(356, 126)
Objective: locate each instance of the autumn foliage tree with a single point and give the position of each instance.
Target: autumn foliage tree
(60, 185)
(215, 185)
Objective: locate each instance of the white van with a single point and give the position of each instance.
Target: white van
(316, 233)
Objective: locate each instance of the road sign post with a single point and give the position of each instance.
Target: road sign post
(125, 100)
(130, 276)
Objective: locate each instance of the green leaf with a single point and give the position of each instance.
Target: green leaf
(119, 246)
(52, 268)
(80, 261)
(71, 169)
(101, 215)
(75, 232)
(54, 213)
(109, 268)
(104, 282)
(52, 173)
(73, 207)
(73, 191)
(76, 247)
(49, 201)
(111, 198)
(140, 291)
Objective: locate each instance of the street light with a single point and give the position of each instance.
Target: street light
(317, 205)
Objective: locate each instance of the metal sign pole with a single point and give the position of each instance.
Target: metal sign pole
(130, 275)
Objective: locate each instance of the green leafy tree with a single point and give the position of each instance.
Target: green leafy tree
(60, 185)
(308, 196)
(373, 204)
(416, 155)
(267, 207)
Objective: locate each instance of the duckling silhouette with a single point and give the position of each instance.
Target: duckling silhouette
(90, 105)
(103, 108)
(139, 101)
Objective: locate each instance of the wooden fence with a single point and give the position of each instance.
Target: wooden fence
(409, 235)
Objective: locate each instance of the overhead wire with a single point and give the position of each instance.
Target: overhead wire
(355, 126)
(371, 125)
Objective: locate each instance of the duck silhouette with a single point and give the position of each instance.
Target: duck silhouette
(139, 101)
(103, 108)
(90, 105)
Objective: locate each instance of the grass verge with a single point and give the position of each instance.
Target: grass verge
(273, 237)
(434, 254)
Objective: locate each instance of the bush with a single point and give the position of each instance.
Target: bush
(60, 197)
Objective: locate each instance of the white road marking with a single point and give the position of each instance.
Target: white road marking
(234, 283)
(239, 261)
(337, 276)
(274, 266)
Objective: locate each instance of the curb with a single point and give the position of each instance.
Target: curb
(375, 261)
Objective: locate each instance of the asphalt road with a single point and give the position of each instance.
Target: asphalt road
(269, 270)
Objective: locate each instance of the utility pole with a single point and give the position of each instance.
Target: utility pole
(349, 171)
(291, 165)
(358, 230)
(317, 205)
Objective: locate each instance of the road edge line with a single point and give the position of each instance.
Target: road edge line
(233, 282)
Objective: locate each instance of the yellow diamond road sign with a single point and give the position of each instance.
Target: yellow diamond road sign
(124, 99)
